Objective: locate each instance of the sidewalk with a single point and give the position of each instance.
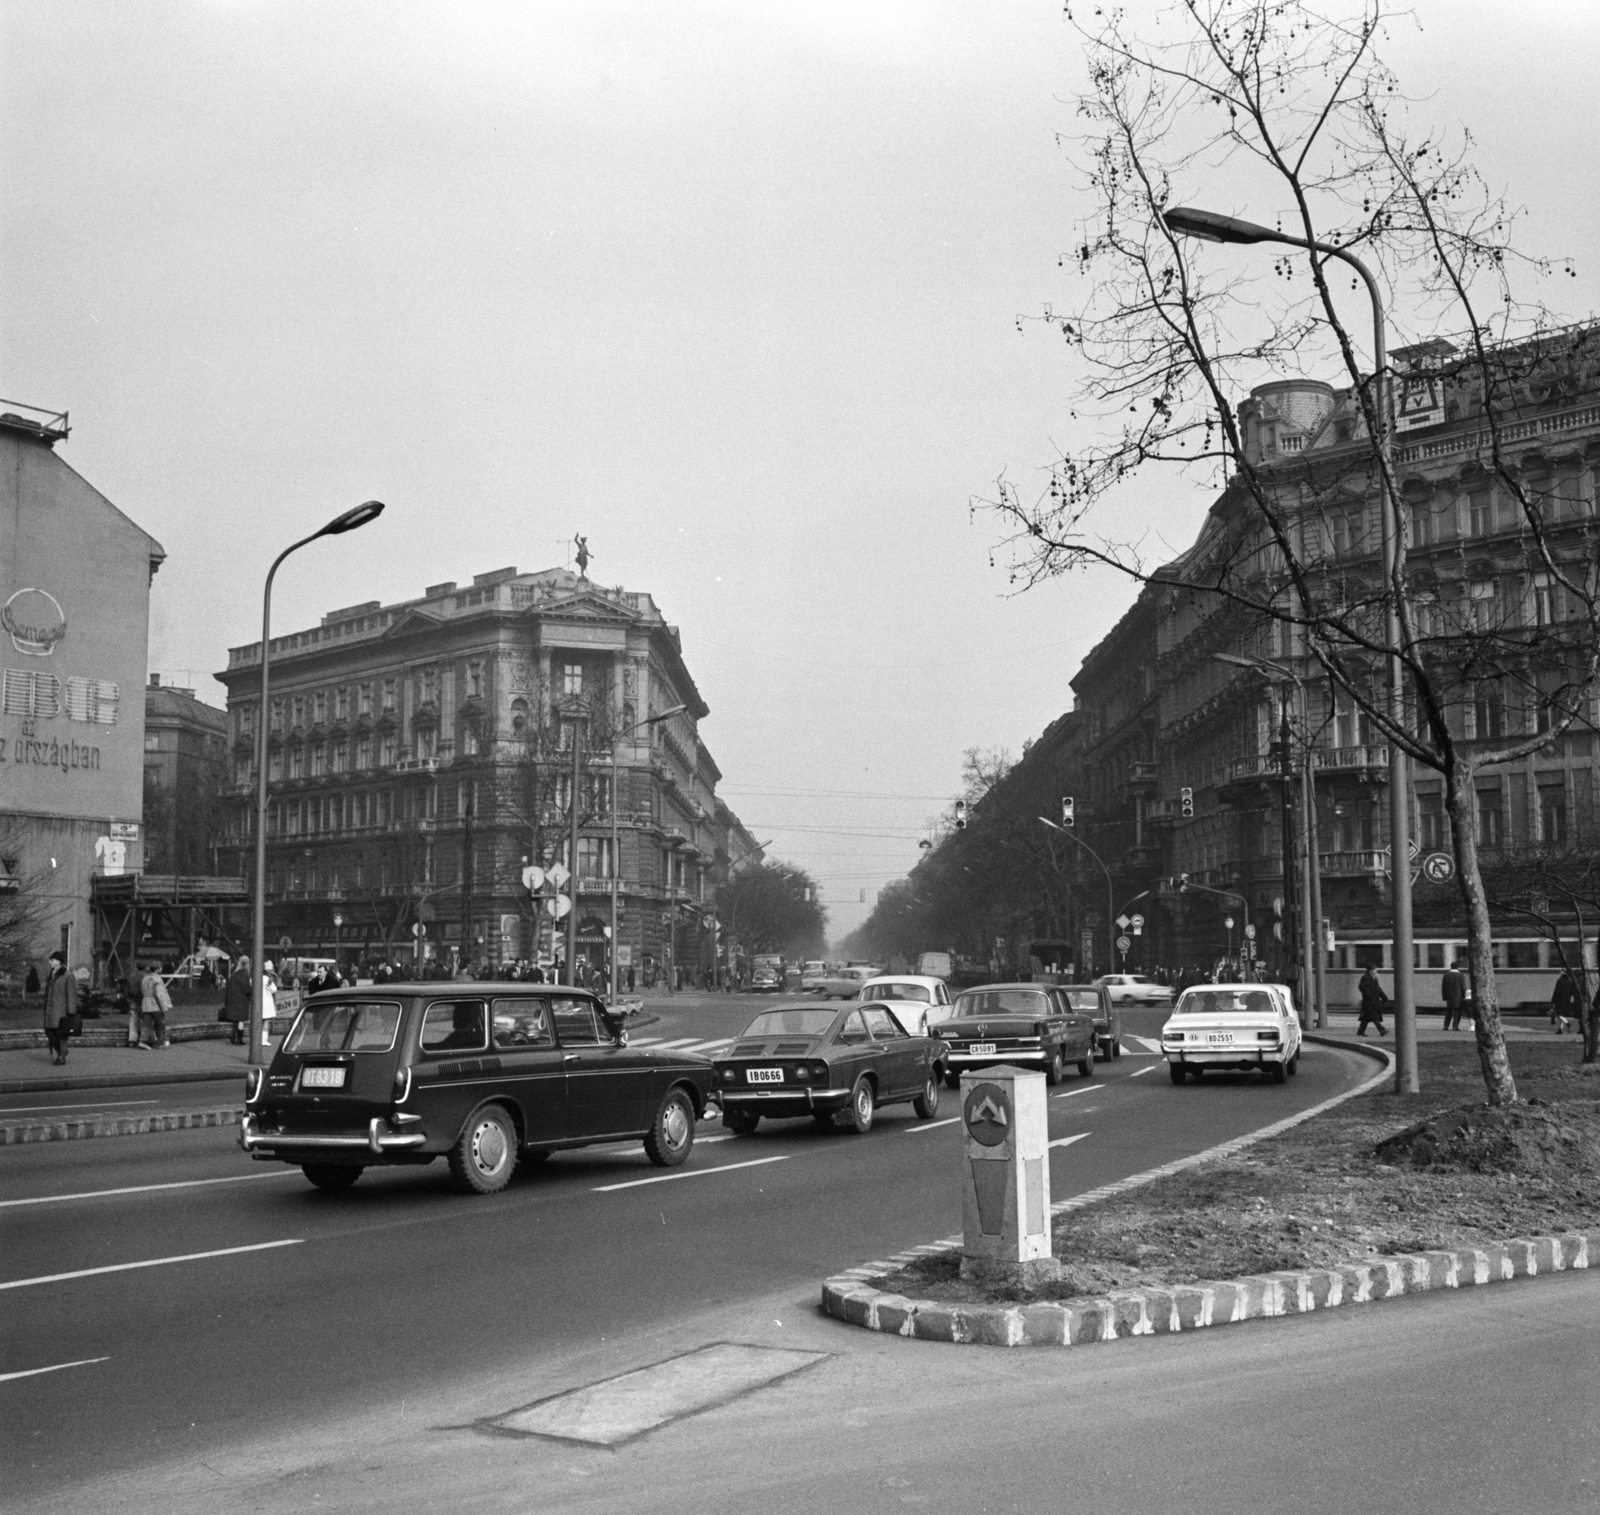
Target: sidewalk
(1430, 1028)
(28, 1070)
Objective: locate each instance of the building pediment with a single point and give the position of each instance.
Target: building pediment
(586, 605)
(412, 620)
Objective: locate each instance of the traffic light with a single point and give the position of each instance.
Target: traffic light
(1183, 882)
(1186, 802)
(1067, 808)
(961, 815)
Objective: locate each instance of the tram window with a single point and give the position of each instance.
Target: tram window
(1369, 955)
(1435, 952)
(1522, 954)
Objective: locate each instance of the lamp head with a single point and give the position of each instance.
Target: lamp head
(351, 519)
(1208, 226)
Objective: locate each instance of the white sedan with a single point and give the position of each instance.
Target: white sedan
(913, 999)
(1234, 1026)
(1134, 989)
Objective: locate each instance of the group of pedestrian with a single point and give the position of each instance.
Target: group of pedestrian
(150, 1011)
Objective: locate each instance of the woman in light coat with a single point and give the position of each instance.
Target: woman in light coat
(155, 1004)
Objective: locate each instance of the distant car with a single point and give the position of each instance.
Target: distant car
(480, 1074)
(1027, 1025)
(1096, 1000)
(812, 975)
(916, 1000)
(846, 982)
(829, 1064)
(766, 978)
(1237, 1026)
(1134, 989)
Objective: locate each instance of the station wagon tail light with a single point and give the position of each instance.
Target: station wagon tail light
(254, 1082)
(1266, 1036)
(402, 1085)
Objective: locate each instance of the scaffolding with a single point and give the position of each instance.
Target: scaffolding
(130, 907)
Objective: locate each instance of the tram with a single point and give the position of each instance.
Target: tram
(1526, 967)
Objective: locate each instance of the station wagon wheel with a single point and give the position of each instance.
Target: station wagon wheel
(863, 1105)
(334, 1178)
(1178, 1072)
(485, 1153)
(926, 1104)
(671, 1133)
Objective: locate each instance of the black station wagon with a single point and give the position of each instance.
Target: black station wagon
(479, 1074)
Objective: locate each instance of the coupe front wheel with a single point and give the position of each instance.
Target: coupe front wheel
(485, 1153)
(740, 1122)
(926, 1104)
(863, 1105)
(671, 1133)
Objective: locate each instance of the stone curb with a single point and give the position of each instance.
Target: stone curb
(115, 1125)
(122, 1080)
(115, 1036)
(851, 1297)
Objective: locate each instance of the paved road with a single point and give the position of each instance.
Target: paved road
(402, 1288)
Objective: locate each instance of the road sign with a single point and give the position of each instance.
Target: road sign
(1123, 922)
(558, 876)
(532, 878)
(1123, 943)
(1439, 867)
(558, 906)
(1250, 932)
(419, 930)
(1136, 921)
(285, 943)
(338, 921)
(1415, 848)
(1227, 921)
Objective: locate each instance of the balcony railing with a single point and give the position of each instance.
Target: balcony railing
(1365, 862)
(1143, 775)
(1265, 765)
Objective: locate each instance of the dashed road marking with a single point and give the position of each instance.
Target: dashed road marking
(1067, 1141)
(661, 1178)
(188, 1183)
(1084, 1089)
(932, 1125)
(152, 1262)
(55, 1367)
(1150, 1068)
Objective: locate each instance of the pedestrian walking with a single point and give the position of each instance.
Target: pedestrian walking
(236, 1000)
(1564, 1003)
(60, 1006)
(1453, 987)
(1373, 999)
(136, 1011)
(155, 1005)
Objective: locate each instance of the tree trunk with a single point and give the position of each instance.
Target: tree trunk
(1490, 1035)
(1588, 1004)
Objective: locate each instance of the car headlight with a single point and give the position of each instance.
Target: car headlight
(728, 1075)
(802, 1074)
(819, 1073)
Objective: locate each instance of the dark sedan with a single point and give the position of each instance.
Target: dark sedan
(1025, 1025)
(1095, 1000)
(479, 1074)
(828, 1064)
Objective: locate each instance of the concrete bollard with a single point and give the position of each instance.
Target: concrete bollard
(1005, 1178)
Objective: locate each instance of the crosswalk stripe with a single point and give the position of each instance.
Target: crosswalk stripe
(682, 1041)
(1147, 1044)
(707, 1046)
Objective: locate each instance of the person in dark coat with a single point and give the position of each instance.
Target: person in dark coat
(1373, 999)
(1453, 989)
(60, 1003)
(236, 999)
(1564, 1003)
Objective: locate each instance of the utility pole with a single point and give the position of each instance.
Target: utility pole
(572, 912)
(467, 938)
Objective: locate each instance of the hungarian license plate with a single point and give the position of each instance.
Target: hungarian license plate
(1219, 1036)
(764, 1075)
(982, 1049)
(322, 1078)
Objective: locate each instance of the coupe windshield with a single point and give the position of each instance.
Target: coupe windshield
(791, 1023)
(1001, 1002)
(1225, 1002)
(344, 1028)
(897, 991)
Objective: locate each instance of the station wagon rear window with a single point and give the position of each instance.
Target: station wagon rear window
(790, 1023)
(1002, 1002)
(1227, 1002)
(1081, 999)
(458, 1026)
(344, 1028)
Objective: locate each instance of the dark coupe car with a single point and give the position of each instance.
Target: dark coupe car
(807, 1060)
(1026, 1025)
(479, 1074)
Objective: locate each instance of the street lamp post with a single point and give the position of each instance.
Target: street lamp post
(349, 521)
(1209, 226)
(616, 857)
(1111, 895)
(1313, 952)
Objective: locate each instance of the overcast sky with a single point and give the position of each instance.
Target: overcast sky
(730, 288)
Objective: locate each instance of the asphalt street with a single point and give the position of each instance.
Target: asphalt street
(221, 1302)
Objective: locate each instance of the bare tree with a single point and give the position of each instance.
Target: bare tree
(1293, 104)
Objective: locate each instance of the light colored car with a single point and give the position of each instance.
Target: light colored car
(916, 1000)
(812, 975)
(846, 983)
(1134, 989)
(1234, 1026)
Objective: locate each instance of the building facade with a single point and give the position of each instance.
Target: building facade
(423, 757)
(74, 624)
(186, 764)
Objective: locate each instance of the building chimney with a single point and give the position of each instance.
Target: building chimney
(155, 680)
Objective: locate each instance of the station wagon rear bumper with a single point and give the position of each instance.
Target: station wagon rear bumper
(377, 1139)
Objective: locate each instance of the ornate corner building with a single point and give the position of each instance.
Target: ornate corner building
(423, 756)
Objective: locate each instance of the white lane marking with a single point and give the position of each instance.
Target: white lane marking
(1086, 1089)
(1067, 1141)
(109, 1104)
(151, 1262)
(55, 1367)
(931, 1125)
(1148, 1044)
(682, 1041)
(1151, 1068)
(708, 1046)
(661, 1178)
(188, 1183)
(643, 1041)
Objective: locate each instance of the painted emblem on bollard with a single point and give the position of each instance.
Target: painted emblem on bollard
(987, 1114)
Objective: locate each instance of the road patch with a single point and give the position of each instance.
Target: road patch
(616, 1410)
